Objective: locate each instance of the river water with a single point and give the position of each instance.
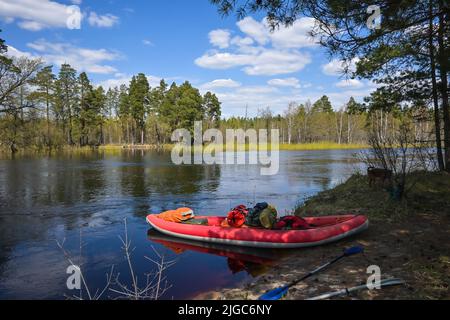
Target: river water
(87, 196)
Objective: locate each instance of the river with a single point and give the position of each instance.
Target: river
(87, 196)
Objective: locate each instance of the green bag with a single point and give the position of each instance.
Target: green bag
(268, 217)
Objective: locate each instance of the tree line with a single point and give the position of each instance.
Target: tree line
(44, 110)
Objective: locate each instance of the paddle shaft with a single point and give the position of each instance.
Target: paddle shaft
(348, 291)
(326, 265)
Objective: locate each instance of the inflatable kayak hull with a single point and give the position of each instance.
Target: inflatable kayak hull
(326, 230)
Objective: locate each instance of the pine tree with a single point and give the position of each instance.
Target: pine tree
(323, 105)
(138, 99)
(96, 116)
(85, 90)
(44, 93)
(68, 89)
(212, 109)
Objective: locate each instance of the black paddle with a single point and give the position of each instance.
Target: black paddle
(279, 293)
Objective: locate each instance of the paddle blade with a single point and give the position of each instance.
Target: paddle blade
(353, 251)
(275, 294)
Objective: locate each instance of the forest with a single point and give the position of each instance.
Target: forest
(44, 111)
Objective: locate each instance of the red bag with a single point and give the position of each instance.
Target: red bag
(236, 217)
(292, 223)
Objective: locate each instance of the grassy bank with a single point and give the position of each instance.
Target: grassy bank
(407, 239)
(168, 147)
(252, 147)
(426, 193)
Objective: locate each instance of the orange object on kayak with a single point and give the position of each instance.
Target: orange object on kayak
(178, 216)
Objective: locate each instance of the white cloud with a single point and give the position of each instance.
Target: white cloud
(147, 42)
(267, 62)
(220, 38)
(349, 83)
(337, 67)
(338, 99)
(102, 21)
(236, 100)
(36, 15)
(260, 51)
(221, 83)
(286, 82)
(249, 90)
(15, 53)
(255, 30)
(295, 36)
(242, 42)
(82, 59)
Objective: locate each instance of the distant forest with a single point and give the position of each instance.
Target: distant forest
(43, 110)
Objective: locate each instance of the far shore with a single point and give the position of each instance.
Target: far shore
(282, 147)
(316, 146)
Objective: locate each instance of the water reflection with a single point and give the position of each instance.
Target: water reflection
(251, 260)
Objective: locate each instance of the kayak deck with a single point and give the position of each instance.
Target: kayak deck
(326, 230)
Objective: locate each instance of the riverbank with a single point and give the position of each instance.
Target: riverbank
(282, 147)
(115, 148)
(407, 239)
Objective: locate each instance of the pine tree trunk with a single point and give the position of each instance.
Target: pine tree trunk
(437, 116)
(443, 61)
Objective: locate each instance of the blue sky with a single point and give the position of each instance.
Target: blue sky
(241, 61)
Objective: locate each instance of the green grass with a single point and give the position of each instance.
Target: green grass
(427, 192)
(322, 146)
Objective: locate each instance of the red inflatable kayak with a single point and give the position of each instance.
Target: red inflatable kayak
(326, 230)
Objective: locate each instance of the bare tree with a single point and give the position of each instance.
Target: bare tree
(340, 123)
(398, 151)
(290, 114)
(15, 73)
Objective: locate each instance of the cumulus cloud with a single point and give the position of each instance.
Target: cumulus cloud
(220, 38)
(349, 83)
(295, 36)
(35, 15)
(102, 21)
(15, 53)
(267, 62)
(286, 82)
(83, 59)
(337, 67)
(255, 30)
(221, 83)
(259, 51)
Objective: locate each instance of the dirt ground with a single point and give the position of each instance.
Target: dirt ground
(413, 244)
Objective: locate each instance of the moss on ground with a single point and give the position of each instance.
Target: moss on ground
(426, 193)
